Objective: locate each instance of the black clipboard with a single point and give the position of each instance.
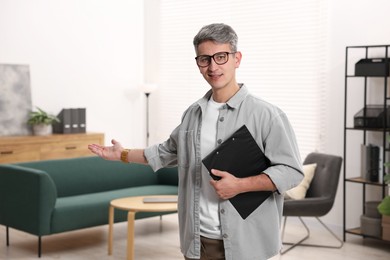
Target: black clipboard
(241, 156)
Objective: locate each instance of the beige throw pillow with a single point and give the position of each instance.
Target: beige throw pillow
(299, 192)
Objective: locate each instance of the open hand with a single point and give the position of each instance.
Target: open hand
(112, 153)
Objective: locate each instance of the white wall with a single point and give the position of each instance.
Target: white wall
(82, 53)
(352, 22)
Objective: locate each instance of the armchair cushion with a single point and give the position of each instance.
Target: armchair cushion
(299, 192)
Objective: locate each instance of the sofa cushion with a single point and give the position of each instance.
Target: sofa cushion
(92, 174)
(81, 211)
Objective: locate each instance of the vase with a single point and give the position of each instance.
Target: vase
(42, 129)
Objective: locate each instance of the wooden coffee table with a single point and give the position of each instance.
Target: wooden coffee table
(134, 205)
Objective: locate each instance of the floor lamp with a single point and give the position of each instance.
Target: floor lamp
(148, 89)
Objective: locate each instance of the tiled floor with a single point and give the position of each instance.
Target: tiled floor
(160, 241)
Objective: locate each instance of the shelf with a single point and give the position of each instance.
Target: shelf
(362, 86)
(368, 129)
(353, 76)
(363, 181)
(369, 46)
(357, 231)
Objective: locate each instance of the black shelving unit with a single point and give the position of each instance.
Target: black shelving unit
(385, 130)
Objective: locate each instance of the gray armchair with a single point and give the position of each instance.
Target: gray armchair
(319, 197)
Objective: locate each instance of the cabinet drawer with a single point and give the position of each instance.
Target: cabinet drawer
(69, 149)
(14, 149)
(19, 153)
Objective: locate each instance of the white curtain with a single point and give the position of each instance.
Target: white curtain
(284, 46)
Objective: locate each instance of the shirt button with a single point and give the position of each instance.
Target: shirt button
(219, 141)
(225, 236)
(221, 119)
(222, 211)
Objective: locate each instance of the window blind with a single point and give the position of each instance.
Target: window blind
(284, 59)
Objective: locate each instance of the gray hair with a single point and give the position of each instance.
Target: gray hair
(217, 32)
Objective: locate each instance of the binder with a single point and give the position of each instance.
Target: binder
(365, 152)
(82, 120)
(64, 126)
(381, 165)
(241, 156)
(371, 162)
(72, 120)
(75, 120)
(374, 163)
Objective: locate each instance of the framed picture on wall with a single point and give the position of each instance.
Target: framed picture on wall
(15, 99)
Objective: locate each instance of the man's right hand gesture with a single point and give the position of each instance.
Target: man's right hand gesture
(112, 153)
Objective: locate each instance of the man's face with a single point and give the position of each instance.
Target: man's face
(219, 76)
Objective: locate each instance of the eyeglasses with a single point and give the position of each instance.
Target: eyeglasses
(219, 58)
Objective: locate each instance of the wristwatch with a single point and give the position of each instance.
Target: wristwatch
(124, 154)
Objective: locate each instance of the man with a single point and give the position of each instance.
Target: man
(210, 227)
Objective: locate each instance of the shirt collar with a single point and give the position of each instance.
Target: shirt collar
(233, 102)
(236, 100)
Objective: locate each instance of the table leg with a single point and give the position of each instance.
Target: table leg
(130, 235)
(110, 229)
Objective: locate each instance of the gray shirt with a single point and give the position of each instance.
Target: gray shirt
(258, 236)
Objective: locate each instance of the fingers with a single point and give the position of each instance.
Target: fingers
(213, 182)
(107, 152)
(218, 173)
(96, 149)
(226, 186)
(117, 145)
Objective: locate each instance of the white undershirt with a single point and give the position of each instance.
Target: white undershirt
(209, 219)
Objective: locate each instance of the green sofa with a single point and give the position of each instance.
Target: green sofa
(48, 197)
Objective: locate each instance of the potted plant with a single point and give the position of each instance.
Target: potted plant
(384, 206)
(41, 122)
(384, 209)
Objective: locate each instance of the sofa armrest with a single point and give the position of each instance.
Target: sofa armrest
(168, 176)
(27, 199)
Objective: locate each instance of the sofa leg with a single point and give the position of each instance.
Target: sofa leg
(7, 235)
(39, 246)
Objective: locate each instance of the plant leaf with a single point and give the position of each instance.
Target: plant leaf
(386, 179)
(384, 206)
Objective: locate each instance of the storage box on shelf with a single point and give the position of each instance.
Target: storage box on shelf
(386, 228)
(371, 220)
(372, 67)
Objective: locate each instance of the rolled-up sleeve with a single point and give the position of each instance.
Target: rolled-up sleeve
(164, 154)
(282, 150)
